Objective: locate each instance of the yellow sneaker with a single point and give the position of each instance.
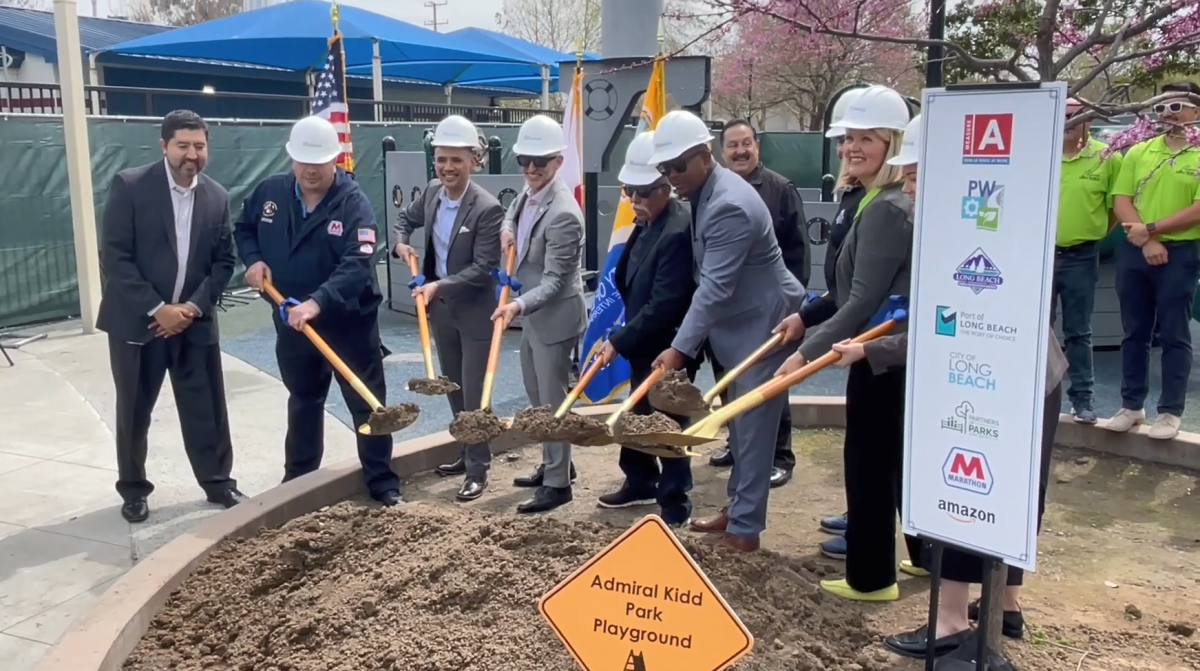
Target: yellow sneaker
(843, 589)
(907, 567)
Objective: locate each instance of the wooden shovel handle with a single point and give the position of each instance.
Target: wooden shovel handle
(636, 395)
(422, 322)
(333, 359)
(489, 377)
(737, 370)
(584, 380)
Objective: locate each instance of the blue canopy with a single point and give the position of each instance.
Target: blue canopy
(294, 36)
(524, 75)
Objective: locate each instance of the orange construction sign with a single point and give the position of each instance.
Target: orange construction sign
(643, 604)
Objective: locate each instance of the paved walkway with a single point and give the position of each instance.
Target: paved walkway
(62, 538)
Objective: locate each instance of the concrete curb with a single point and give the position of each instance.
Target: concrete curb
(102, 638)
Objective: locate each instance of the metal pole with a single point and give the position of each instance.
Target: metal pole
(546, 87)
(935, 55)
(376, 80)
(79, 164)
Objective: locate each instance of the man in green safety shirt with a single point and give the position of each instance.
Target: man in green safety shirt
(1085, 217)
(1157, 198)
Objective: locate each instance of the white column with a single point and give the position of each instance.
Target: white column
(94, 80)
(79, 163)
(376, 79)
(546, 87)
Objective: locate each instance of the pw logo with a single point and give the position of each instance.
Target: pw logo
(967, 470)
(987, 139)
(983, 204)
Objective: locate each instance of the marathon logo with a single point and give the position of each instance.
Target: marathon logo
(335, 227)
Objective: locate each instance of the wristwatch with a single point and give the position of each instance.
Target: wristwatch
(1151, 227)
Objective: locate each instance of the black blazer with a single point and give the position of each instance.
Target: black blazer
(138, 260)
(660, 291)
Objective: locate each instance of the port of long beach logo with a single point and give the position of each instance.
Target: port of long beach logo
(978, 272)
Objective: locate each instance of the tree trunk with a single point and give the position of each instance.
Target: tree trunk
(995, 613)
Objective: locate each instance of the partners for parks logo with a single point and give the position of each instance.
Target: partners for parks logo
(950, 322)
(978, 272)
(984, 204)
(966, 370)
(987, 139)
(967, 422)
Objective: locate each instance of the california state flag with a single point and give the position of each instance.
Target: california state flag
(572, 169)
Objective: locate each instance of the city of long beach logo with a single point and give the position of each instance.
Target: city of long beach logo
(978, 272)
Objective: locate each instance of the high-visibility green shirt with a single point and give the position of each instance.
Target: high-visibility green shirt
(1085, 197)
(1161, 183)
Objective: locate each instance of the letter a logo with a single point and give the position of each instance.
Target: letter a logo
(992, 137)
(987, 139)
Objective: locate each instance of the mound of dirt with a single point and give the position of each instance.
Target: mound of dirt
(423, 588)
(655, 422)
(393, 418)
(675, 393)
(439, 386)
(476, 426)
(541, 425)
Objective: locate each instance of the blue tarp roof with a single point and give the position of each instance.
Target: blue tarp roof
(294, 36)
(525, 75)
(32, 31)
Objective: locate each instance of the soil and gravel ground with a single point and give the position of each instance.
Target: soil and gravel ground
(438, 586)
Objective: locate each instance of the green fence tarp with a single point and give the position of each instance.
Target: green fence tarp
(37, 250)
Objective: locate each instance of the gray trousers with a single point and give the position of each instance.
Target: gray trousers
(752, 442)
(546, 370)
(464, 361)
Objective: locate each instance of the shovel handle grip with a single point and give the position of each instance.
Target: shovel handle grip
(636, 396)
(323, 347)
(489, 377)
(584, 380)
(422, 322)
(737, 370)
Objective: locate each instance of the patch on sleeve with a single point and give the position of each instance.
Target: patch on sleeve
(269, 208)
(335, 227)
(367, 249)
(366, 235)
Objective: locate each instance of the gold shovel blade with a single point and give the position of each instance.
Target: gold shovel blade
(672, 439)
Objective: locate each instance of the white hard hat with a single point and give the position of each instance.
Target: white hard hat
(676, 133)
(910, 150)
(540, 136)
(313, 140)
(455, 131)
(877, 107)
(638, 170)
(839, 110)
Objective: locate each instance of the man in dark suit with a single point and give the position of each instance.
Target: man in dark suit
(167, 254)
(740, 149)
(654, 278)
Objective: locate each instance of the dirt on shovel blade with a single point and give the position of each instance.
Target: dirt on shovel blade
(393, 418)
(541, 425)
(476, 426)
(632, 427)
(439, 386)
(675, 393)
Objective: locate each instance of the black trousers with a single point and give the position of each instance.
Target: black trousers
(668, 484)
(307, 375)
(961, 566)
(873, 458)
(199, 387)
(785, 458)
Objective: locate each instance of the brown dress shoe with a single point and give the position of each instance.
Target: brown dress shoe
(737, 543)
(712, 525)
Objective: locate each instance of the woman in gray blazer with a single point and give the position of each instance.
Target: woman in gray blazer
(872, 265)
(960, 568)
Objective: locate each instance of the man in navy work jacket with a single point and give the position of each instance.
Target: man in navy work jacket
(312, 233)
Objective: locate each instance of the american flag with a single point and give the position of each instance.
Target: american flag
(329, 100)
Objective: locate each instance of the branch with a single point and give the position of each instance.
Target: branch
(1099, 39)
(1107, 112)
(1115, 57)
(1044, 42)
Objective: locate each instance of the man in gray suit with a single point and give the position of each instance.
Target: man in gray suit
(743, 290)
(167, 255)
(546, 226)
(461, 248)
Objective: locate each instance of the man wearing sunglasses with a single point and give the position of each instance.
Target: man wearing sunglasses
(742, 285)
(1157, 198)
(654, 278)
(545, 225)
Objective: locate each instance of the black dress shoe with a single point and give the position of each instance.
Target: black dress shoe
(472, 488)
(535, 479)
(136, 510)
(912, 643)
(721, 458)
(780, 476)
(390, 498)
(545, 499)
(226, 497)
(456, 467)
(1014, 621)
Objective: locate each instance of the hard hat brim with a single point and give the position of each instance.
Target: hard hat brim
(835, 131)
(638, 176)
(845, 126)
(907, 156)
(311, 158)
(672, 153)
(456, 144)
(519, 150)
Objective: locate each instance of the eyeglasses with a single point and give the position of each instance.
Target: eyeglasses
(680, 165)
(537, 161)
(1172, 107)
(641, 191)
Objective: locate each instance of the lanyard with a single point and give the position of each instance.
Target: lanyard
(862, 205)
